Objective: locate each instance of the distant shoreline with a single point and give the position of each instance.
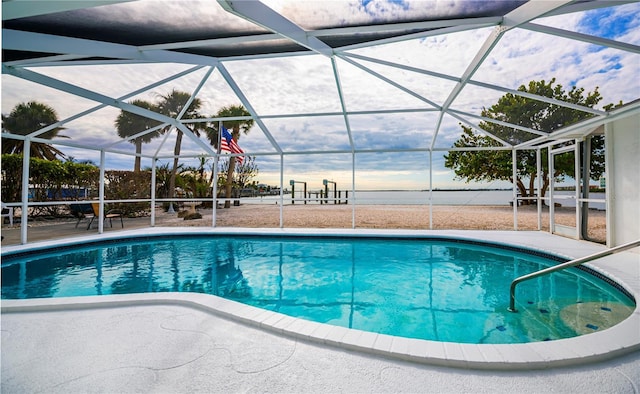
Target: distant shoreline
(435, 189)
(473, 197)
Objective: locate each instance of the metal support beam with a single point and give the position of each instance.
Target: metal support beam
(281, 190)
(478, 128)
(353, 190)
(478, 83)
(514, 174)
(623, 46)
(245, 102)
(153, 192)
(48, 43)
(88, 94)
(24, 216)
(576, 178)
(532, 10)
(125, 97)
(100, 212)
(390, 82)
(526, 12)
(260, 14)
(539, 201)
(343, 105)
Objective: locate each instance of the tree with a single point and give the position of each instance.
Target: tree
(236, 127)
(26, 118)
(243, 173)
(172, 105)
(129, 124)
(493, 165)
(194, 183)
(163, 175)
(246, 171)
(48, 180)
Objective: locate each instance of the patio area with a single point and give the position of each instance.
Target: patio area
(182, 342)
(171, 348)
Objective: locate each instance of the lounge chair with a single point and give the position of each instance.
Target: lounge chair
(110, 214)
(91, 211)
(82, 211)
(7, 212)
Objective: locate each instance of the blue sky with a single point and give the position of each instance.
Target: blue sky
(299, 85)
(608, 23)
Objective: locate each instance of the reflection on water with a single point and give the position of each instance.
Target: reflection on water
(435, 290)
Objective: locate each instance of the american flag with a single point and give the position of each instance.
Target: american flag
(227, 143)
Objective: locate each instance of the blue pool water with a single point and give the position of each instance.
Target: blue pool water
(438, 290)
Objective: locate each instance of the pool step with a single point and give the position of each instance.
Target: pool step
(588, 317)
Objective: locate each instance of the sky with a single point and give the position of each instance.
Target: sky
(305, 84)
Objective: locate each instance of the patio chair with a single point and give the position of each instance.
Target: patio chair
(7, 212)
(110, 214)
(81, 211)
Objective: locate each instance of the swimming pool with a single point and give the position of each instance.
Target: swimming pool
(435, 289)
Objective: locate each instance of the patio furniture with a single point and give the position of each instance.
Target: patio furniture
(7, 212)
(110, 214)
(82, 211)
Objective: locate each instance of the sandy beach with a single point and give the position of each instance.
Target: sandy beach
(389, 216)
(331, 216)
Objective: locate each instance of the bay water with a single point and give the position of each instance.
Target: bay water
(421, 197)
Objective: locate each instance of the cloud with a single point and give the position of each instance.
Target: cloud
(568, 61)
(317, 15)
(276, 87)
(610, 22)
(305, 84)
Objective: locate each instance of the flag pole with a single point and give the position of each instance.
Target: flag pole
(215, 175)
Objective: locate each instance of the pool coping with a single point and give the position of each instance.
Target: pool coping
(598, 346)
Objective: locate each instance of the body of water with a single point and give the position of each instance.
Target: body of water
(439, 197)
(417, 288)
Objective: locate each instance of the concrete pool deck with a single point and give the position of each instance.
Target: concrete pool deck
(190, 342)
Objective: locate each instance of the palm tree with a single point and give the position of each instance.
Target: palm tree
(129, 124)
(236, 126)
(163, 174)
(171, 105)
(24, 119)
